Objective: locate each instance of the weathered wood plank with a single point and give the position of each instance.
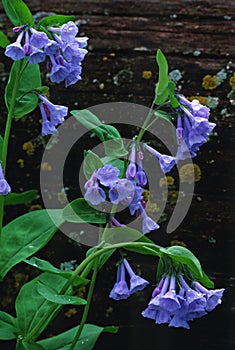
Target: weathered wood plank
(133, 7)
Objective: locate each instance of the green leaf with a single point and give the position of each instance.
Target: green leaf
(45, 266)
(8, 326)
(20, 198)
(50, 294)
(55, 20)
(80, 211)
(4, 41)
(31, 346)
(163, 115)
(161, 91)
(18, 12)
(91, 163)
(108, 134)
(173, 100)
(88, 338)
(121, 234)
(145, 250)
(25, 235)
(26, 102)
(205, 280)
(184, 256)
(31, 306)
(103, 257)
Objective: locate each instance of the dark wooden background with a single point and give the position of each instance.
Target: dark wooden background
(123, 39)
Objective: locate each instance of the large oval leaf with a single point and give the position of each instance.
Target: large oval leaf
(18, 12)
(28, 80)
(25, 235)
(88, 338)
(80, 211)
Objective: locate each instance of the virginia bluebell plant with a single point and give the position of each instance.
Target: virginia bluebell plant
(182, 290)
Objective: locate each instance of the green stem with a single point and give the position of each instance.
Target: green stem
(7, 133)
(36, 331)
(87, 307)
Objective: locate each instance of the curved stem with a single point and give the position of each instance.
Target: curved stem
(8, 131)
(36, 331)
(87, 306)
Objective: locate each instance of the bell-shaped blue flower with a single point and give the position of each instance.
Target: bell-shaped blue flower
(108, 175)
(4, 186)
(166, 162)
(120, 289)
(137, 283)
(15, 50)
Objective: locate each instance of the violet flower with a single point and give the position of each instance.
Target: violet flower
(213, 297)
(120, 289)
(122, 190)
(166, 162)
(56, 113)
(38, 39)
(137, 283)
(108, 175)
(148, 224)
(140, 176)
(15, 50)
(131, 169)
(135, 202)
(4, 186)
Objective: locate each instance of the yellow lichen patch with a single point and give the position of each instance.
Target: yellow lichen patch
(166, 181)
(28, 147)
(190, 173)
(81, 292)
(201, 99)
(108, 311)
(176, 242)
(209, 82)
(35, 207)
(71, 312)
(147, 74)
(146, 195)
(152, 208)
(46, 167)
(232, 81)
(61, 197)
(20, 162)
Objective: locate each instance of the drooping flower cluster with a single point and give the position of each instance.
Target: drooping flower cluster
(105, 184)
(174, 302)
(123, 289)
(193, 129)
(4, 186)
(63, 51)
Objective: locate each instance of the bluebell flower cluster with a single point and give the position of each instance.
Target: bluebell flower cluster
(105, 184)
(176, 303)
(123, 289)
(63, 51)
(4, 186)
(192, 131)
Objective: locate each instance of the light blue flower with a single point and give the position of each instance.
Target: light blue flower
(120, 289)
(4, 186)
(15, 50)
(122, 190)
(108, 175)
(137, 283)
(166, 161)
(148, 224)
